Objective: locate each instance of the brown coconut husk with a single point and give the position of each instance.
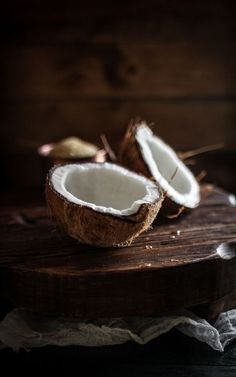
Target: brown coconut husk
(95, 228)
(129, 153)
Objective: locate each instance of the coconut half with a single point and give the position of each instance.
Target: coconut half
(145, 153)
(102, 204)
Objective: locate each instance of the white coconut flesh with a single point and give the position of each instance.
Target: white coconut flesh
(106, 188)
(167, 169)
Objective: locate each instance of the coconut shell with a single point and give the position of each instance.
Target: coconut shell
(95, 228)
(130, 156)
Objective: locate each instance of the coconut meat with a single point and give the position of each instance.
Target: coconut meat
(168, 170)
(106, 188)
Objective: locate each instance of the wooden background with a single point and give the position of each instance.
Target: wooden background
(85, 68)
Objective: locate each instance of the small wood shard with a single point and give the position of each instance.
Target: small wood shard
(201, 150)
(206, 190)
(177, 214)
(23, 219)
(108, 148)
(201, 175)
(190, 162)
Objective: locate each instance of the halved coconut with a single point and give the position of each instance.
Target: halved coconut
(102, 204)
(145, 153)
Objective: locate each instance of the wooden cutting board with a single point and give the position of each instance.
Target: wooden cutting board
(174, 265)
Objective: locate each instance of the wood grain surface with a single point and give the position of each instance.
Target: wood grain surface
(107, 70)
(172, 266)
(76, 69)
(54, 23)
(179, 124)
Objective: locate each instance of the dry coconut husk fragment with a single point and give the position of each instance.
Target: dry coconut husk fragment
(102, 204)
(145, 153)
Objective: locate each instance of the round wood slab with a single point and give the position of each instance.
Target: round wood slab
(177, 264)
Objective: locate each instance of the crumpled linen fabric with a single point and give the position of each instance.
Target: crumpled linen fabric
(22, 328)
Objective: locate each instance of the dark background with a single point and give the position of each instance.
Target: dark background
(86, 68)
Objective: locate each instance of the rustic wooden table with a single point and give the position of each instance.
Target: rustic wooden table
(172, 354)
(162, 271)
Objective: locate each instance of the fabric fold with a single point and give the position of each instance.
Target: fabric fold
(22, 328)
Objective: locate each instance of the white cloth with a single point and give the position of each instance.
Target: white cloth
(24, 329)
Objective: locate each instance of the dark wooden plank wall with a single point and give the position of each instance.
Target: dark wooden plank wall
(87, 68)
